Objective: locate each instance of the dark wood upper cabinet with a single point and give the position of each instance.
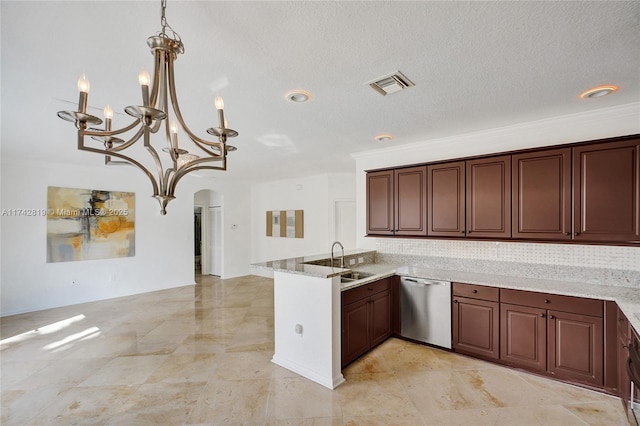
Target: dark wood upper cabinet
(606, 191)
(410, 207)
(541, 194)
(489, 197)
(446, 199)
(397, 202)
(380, 203)
(588, 192)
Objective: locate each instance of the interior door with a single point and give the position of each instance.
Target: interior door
(215, 240)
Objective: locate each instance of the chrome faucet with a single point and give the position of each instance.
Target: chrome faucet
(342, 248)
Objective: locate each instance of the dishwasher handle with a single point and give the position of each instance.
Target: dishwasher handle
(420, 282)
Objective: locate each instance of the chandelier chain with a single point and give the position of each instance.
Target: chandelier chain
(165, 24)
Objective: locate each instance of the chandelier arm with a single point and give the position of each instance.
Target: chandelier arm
(135, 138)
(176, 106)
(157, 67)
(167, 177)
(170, 143)
(181, 173)
(82, 147)
(205, 147)
(156, 158)
(112, 132)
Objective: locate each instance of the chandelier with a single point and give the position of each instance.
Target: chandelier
(155, 115)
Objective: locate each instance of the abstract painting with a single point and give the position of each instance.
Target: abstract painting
(89, 224)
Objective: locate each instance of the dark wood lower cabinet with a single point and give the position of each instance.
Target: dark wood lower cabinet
(380, 317)
(366, 318)
(523, 336)
(576, 347)
(476, 327)
(355, 336)
(559, 336)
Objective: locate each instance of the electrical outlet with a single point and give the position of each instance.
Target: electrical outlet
(352, 261)
(361, 260)
(113, 277)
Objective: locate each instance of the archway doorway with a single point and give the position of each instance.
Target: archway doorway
(208, 232)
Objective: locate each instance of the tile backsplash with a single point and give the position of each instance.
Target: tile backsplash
(610, 257)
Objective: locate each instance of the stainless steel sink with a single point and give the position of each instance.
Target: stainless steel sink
(354, 276)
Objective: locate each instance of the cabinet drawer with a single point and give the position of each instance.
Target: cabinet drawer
(556, 302)
(476, 291)
(365, 290)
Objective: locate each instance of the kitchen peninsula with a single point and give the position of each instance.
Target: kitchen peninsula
(307, 292)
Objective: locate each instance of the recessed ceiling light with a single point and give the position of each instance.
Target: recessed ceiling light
(599, 91)
(383, 137)
(298, 96)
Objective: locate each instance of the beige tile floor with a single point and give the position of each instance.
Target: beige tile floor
(201, 355)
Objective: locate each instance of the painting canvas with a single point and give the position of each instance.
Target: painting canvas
(89, 224)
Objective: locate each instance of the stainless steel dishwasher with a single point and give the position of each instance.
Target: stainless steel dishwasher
(425, 310)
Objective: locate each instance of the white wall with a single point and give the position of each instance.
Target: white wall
(597, 124)
(164, 244)
(314, 195)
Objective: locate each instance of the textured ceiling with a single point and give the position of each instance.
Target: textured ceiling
(475, 65)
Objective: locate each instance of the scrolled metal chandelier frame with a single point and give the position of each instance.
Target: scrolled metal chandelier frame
(153, 115)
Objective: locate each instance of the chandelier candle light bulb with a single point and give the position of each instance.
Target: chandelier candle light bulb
(108, 115)
(174, 135)
(220, 107)
(144, 79)
(83, 87)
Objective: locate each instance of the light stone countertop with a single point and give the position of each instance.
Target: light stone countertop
(627, 298)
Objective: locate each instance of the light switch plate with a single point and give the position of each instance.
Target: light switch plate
(352, 261)
(361, 260)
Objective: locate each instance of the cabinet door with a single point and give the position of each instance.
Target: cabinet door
(489, 197)
(380, 203)
(475, 327)
(624, 382)
(523, 336)
(411, 201)
(606, 194)
(380, 305)
(576, 347)
(541, 195)
(446, 199)
(355, 330)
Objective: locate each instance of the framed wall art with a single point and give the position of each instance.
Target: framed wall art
(285, 223)
(89, 224)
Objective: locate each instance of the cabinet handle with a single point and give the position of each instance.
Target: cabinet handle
(546, 301)
(568, 233)
(551, 317)
(577, 233)
(455, 301)
(475, 291)
(541, 315)
(462, 232)
(625, 346)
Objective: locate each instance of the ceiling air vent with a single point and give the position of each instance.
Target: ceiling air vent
(391, 83)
